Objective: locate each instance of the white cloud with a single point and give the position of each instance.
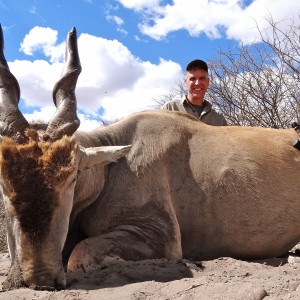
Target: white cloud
(41, 114)
(156, 81)
(112, 78)
(115, 19)
(118, 21)
(44, 40)
(140, 4)
(256, 15)
(214, 18)
(36, 80)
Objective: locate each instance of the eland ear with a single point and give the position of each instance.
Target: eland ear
(101, 156)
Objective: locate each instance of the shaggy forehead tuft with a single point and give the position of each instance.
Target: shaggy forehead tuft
(31, 173)
(53, 161)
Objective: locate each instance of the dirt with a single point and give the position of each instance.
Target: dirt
(223, 278)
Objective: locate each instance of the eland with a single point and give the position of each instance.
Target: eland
(155, 184)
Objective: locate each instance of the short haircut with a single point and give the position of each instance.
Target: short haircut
(197, 64)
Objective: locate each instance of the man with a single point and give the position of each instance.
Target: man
(197, 82)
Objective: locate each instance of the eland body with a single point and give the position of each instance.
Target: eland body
(180, 188)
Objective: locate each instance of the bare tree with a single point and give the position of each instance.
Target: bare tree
(258, 85)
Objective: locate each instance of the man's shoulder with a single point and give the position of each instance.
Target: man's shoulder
(172, 104)
(213, 117)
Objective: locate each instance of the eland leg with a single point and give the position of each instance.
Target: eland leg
(122, 244)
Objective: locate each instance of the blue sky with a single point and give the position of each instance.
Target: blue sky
(131, 51)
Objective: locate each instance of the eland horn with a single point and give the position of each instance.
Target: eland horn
(65, 120)
(12, 122)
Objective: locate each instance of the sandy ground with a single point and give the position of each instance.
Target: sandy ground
(223, 278)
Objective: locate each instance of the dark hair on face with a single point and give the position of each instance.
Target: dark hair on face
(197, 64)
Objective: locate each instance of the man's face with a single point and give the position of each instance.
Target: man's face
(197, 82)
